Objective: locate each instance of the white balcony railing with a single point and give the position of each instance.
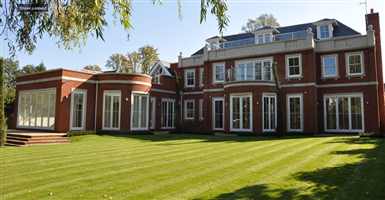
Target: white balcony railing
(277, 37)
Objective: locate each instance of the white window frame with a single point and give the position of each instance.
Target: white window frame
(323, 65)
(133, 93)
(288, 121)
(242, 95)
(347, 56)
(185, 78)
(339, 95)
(215, 99)
(112, 93)
(201, 76)
(50, 91)
(222, 65)
(254, 61)
(263, 111)
(299, 56)
(173, 112)
(156, 79)
(330, 29)
(185, 109)
(84, 92)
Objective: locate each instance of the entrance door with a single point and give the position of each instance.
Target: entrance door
(218, 113)
(78, 109)
(241, 113)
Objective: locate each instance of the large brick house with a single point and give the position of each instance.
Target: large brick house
(329, 80)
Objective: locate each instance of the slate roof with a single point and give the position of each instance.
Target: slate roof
(339, 30)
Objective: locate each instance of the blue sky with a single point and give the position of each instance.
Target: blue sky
(160, 26)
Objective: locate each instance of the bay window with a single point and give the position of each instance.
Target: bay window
(260, 70)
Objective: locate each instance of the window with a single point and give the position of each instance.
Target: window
(293, 66)
(254, 70)
(156, 79)
(217, 114)
(189, 109)
(269, 116)
(264, 38)
(111, 110)
(343, 113)
(354, 64)
(219, 72)
(294, 112)
(189, 77)
(36, 109)
(324, 31)
(201, 76)
(78, 109)
(168, 113)
(201, 109)
(329, 66)
(268, 37)
(139, 111)
(153, 114)
(241, 113)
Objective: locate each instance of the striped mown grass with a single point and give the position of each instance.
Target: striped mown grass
(196, 167)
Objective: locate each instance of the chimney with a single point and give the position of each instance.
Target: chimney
(373, 19)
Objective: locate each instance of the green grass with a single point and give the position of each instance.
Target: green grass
(196, 167)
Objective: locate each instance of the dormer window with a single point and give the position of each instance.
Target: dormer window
(264, 38)
(325, 28)
(324, 32)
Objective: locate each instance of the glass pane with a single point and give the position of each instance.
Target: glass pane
(331, 113)
(135, 115)
(295, 113)
(218, 114)
(246, 112)
(356, 113)
(258, 71)
(52, 103)
(267, 70)
(107, 111)
(249, 71)
(144, 112)
(236, 114)
(272, 113)
(45, 110)
(115, 109)
(343, 112)
(266, 113)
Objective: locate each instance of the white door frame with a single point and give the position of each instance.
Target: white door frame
(133, 93)
(84, 93)
(288, 122)
(241, 96)
(112, 93)
(269, 95)
(215, 99)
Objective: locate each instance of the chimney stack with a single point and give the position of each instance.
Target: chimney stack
(373, 20)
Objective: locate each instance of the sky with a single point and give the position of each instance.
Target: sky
(161, 27)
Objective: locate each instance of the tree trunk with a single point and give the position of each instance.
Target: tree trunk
(2, 116)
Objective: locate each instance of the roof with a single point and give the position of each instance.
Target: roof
(164, 68)
(339, 30)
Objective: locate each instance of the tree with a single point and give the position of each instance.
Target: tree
(10, 71)
(2, 116)
(95, 67)
(119, 63)
(263, 20)
(148, 55)
(72, 22)
(28, 69)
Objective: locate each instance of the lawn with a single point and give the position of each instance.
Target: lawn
(196, 167)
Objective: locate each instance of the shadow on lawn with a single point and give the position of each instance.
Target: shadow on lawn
(362, 180)
(198, 138)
